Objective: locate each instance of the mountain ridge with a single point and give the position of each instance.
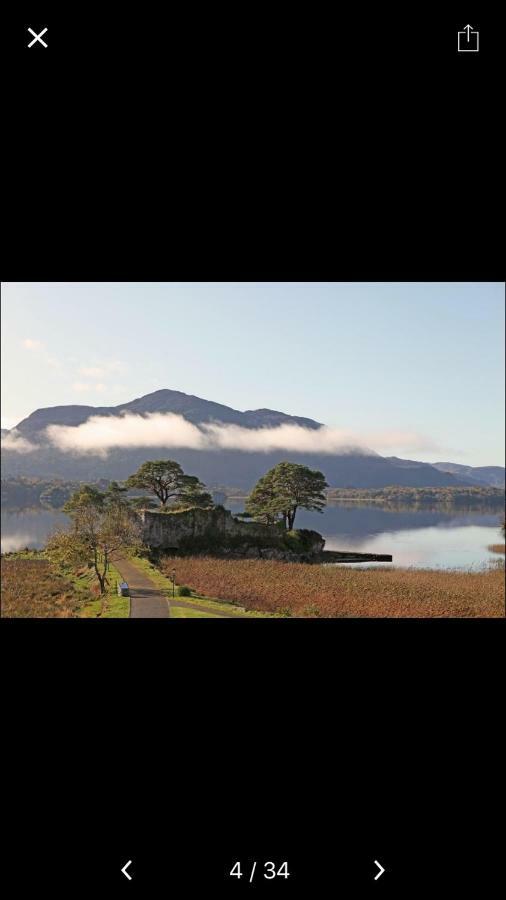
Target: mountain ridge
(239, 468)
(194, 409)
(492, 476)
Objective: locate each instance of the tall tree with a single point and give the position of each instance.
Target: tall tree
(115, 495)
(87, 497)
(166, 479)
(263, 502)
(283, 490)
(194, 497)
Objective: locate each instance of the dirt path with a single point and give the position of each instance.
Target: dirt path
(147, 602)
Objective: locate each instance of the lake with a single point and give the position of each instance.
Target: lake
(29, 527)
(445, 538)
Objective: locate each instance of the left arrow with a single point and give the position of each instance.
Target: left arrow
(124, 870)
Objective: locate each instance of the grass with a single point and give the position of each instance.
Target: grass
(319, 591)
(33, 588)
(182, 612)
(105, 606)
(24, 554)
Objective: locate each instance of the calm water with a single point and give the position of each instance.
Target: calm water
(447, 538)
(29, 527)
(414, 537)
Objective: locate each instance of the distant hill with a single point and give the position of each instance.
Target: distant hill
(493, 476)
(356, 468)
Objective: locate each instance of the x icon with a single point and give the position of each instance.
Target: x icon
(37, 37)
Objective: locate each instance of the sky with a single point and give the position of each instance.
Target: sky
(411, 369)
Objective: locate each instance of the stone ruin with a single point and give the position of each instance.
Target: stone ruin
(217, 526)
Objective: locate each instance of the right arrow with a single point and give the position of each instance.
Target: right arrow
(381, 870)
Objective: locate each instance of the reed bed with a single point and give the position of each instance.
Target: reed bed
(295, 589)
(31, 589)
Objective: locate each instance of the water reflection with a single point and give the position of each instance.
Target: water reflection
(29, 527)
(448, 537)
(424, 538)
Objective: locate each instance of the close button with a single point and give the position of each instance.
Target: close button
(37, 38)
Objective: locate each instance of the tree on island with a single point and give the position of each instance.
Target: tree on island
(166, 479)
(102, 524)
(282, 490)
(115, 495)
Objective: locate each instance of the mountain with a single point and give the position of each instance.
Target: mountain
(491, 476)
(194, 410)
(235, 468)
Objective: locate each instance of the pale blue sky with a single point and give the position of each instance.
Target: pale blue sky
(422, 358)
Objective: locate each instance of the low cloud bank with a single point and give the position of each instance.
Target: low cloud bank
(100, 434)
(14, 441)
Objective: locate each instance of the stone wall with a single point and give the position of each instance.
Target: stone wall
(166, 531)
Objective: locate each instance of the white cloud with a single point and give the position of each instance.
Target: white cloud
(82, 387)
(53, 362)
(116, 366)
(100, 371)
(33, 344)
(99, 434)
(14, 441)
(92, 372)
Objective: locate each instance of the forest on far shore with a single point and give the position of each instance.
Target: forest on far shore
(23, 491)
(450, 495)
